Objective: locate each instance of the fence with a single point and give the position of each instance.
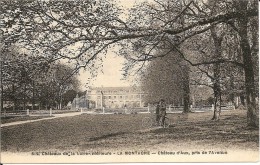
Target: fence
(151, 109)
(116, 110)
(14, 113)
(28, 112)
(204, 108)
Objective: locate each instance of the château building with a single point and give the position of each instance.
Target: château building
(115, 97)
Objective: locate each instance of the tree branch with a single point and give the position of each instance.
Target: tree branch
(208, 62)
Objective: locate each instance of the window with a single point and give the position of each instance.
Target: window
(114, 97)
(109, 97)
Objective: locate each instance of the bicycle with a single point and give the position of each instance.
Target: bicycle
(149, 122)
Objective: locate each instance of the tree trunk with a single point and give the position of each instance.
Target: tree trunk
(2, 100)
(1, 84)
(33, 93)
(60, 102)
(24, 97)
(215, 116)
(186, 97)
(249, 80)
(252, 119)
(242, 99)
(220, 103)
(14, 98)
(216, 69)
(217, 101)
(232, 94)
(186, 89)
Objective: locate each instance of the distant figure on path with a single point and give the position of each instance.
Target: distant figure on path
(157, 112)
(162, 106)
(125, 107)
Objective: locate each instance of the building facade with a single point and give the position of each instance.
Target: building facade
(115, 97)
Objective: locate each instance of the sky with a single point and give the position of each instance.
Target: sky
(112, 66)
(111, 75)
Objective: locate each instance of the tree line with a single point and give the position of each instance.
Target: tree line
(29, 82)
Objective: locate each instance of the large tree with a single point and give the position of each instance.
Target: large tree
(246, 47)
(200, 17)
(28, 79)
(164, 78)
(19, 72)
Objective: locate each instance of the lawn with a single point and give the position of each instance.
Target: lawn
(125, 132)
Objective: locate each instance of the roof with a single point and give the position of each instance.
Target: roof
(114, 88)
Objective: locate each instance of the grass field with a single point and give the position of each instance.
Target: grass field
(125, 132)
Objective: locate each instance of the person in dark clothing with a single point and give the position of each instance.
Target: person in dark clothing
(162, 107)
(157, 112)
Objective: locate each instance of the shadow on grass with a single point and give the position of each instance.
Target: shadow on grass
(231, 129)
(7, 117)
(106, 136)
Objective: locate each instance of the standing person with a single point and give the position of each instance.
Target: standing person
(162, 106)
(125, 106)
(157, 112)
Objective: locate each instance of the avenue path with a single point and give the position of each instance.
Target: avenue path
(49, 118)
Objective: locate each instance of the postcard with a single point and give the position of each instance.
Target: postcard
(126, 81)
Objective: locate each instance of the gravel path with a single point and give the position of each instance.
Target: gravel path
(49, 118)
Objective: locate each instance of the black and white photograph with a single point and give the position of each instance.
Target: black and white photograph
(129, 81)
